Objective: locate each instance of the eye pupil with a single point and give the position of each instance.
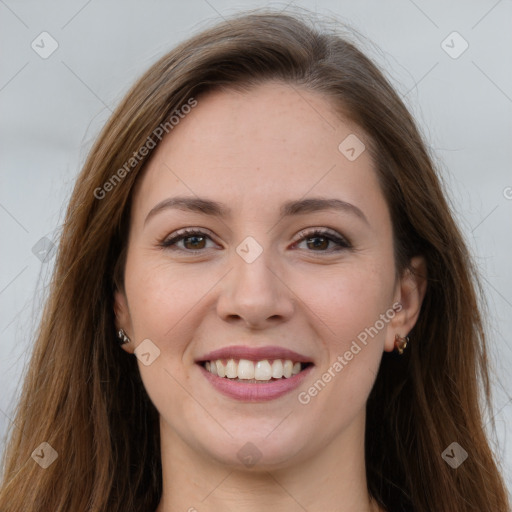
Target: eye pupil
(194, 241)
(322, 245)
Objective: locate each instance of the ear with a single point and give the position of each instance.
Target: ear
(123, 319)
(409, 294)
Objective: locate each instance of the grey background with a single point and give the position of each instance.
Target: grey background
(53, 108)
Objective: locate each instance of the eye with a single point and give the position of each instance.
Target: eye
(193, 240)
(319, 239)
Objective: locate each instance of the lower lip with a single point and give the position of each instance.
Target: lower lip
(255, 392)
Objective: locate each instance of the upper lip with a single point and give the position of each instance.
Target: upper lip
(253, 354)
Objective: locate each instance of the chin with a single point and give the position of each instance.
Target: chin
(257, 449)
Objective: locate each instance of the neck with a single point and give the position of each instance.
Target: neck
(335, 479)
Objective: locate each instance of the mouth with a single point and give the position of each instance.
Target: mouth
(254, 374)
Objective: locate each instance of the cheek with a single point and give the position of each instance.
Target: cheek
(161, 296)
(161, 301)
(349, 307)
(348, 300)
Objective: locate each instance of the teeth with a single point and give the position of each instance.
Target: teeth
(287, 368)
(221, 369)
(231, 369)
(263, 370)
(277, 369)
(245, 369)
(253, 370)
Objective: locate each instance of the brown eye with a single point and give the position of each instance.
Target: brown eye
(190, 240)
(318, 242)
(194, 242)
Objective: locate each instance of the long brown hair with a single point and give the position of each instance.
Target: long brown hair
(83, 395)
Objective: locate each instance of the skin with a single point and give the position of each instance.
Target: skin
(253, 151)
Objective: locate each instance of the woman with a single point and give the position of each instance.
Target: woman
(260, 228)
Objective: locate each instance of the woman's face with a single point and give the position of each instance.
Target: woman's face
(256, 285)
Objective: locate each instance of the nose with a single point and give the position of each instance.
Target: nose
(255, 294)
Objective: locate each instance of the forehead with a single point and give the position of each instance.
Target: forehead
(261, 145)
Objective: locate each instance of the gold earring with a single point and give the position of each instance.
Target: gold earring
(401, 343)
(121, 334)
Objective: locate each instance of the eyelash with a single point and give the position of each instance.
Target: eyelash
(329, 234)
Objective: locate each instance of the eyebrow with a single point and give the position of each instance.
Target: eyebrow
(288, 209)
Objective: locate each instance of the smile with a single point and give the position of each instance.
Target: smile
(254, 374)
(254, 371)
